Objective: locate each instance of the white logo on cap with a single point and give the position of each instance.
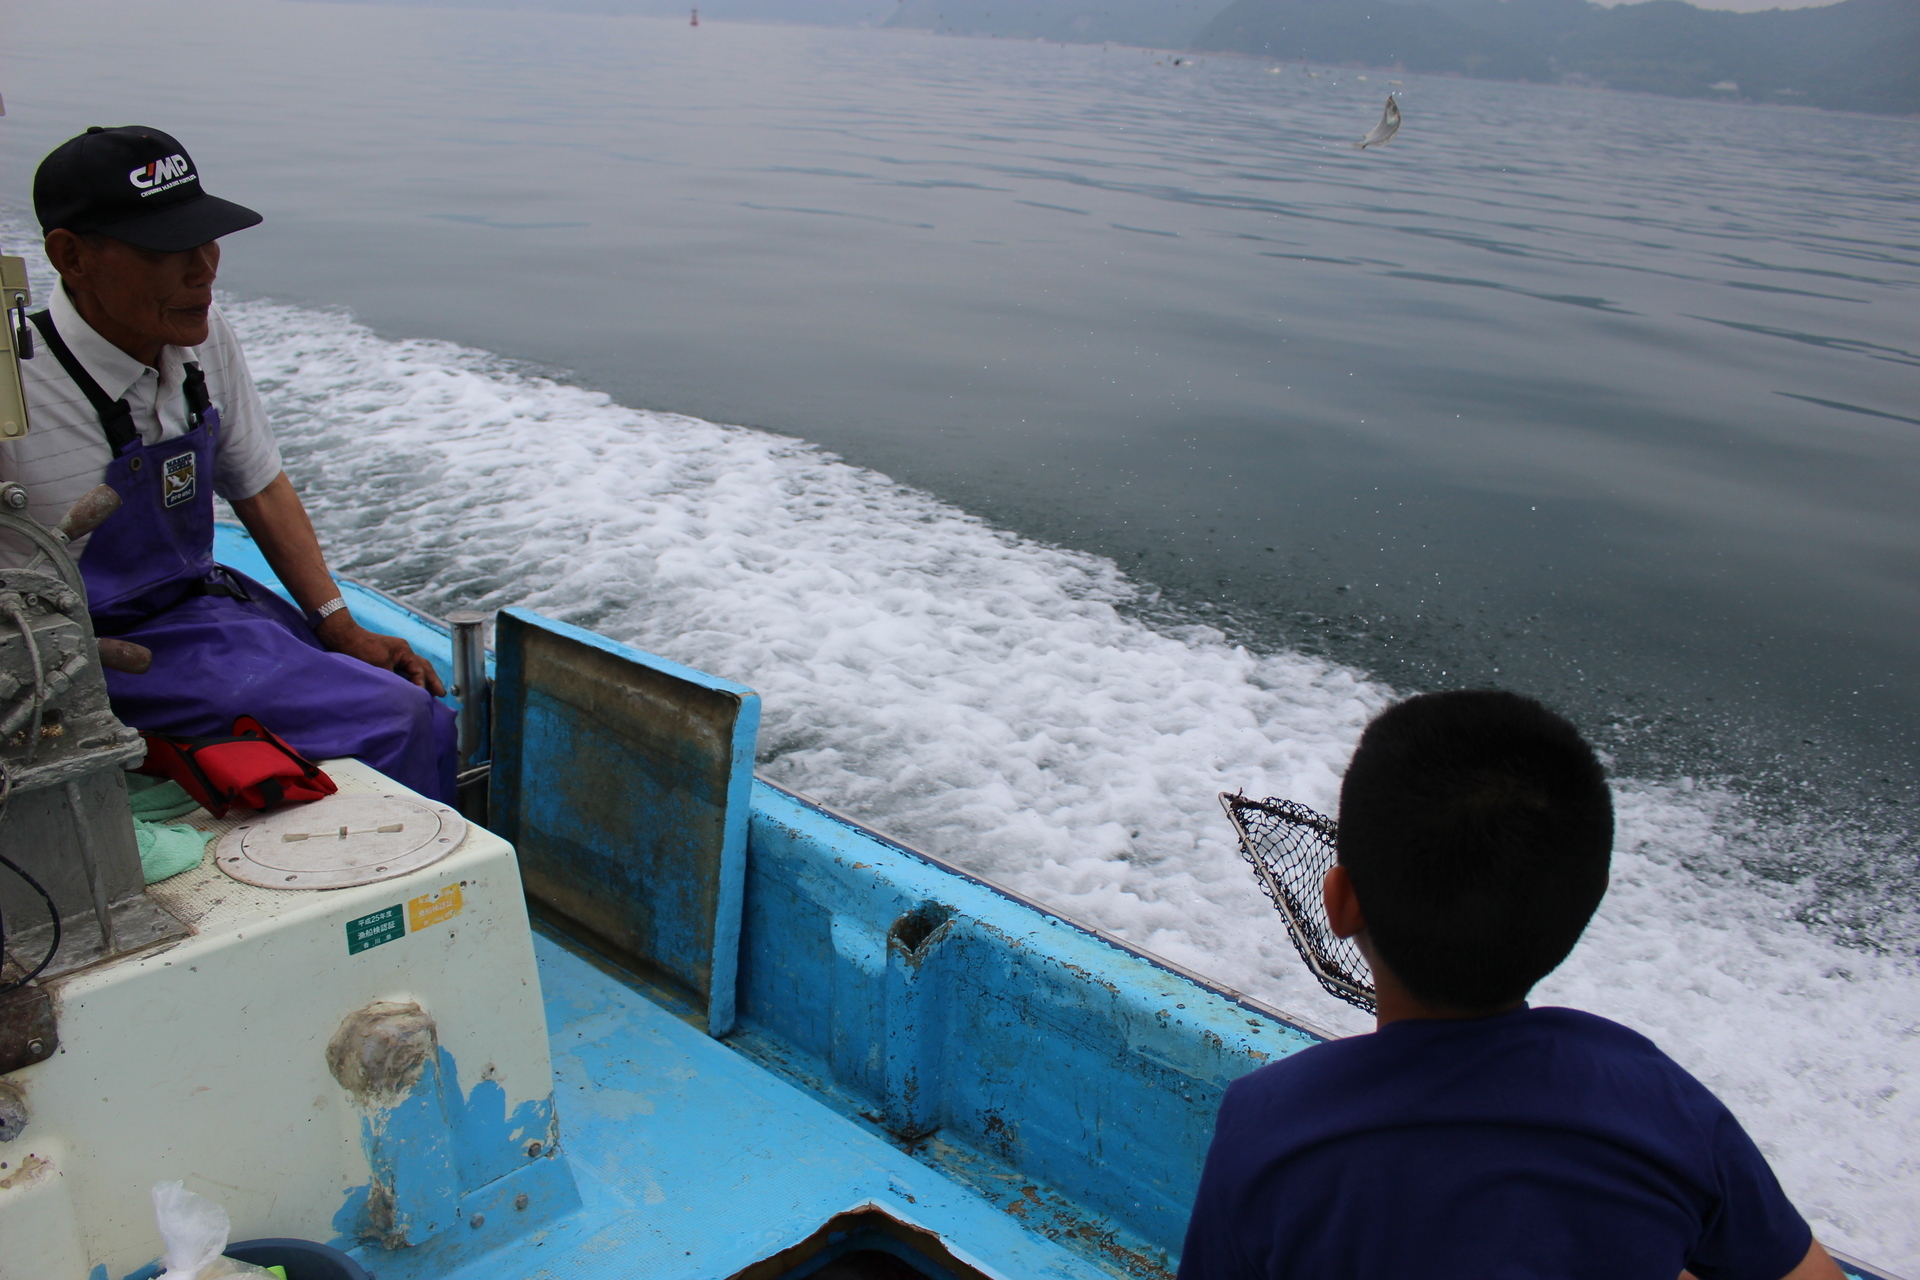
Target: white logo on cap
(160, 174)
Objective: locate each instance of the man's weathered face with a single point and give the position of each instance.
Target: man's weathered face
(161, 297)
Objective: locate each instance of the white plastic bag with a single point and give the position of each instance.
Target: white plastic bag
(194, 1230)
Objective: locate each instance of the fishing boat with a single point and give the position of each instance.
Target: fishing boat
(629, 1010)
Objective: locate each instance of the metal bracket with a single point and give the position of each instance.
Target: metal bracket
(14, 337)
(27, 1031)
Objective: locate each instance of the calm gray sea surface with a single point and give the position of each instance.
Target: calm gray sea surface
(1608, 398)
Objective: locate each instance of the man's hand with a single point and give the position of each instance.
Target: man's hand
(342, 634)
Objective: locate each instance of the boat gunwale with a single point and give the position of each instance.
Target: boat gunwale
(1230, 994)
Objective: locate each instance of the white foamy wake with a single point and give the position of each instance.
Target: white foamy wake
(980, 696)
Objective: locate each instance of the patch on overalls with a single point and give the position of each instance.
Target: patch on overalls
(176, 479)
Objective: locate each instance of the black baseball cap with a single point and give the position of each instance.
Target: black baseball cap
(135, 184)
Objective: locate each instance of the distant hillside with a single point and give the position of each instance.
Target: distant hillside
(1156, 24)
(1377, 33)
(1858, 55)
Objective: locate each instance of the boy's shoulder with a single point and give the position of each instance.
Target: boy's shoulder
(1414, 1037)
(1532, 1061)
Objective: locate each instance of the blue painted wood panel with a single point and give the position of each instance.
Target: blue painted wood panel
(622, 780)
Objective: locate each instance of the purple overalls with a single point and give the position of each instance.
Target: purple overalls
(224, 645)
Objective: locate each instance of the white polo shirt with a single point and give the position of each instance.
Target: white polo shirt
(66, 453)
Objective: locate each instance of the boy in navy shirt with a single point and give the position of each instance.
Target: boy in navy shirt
(1470, 1135)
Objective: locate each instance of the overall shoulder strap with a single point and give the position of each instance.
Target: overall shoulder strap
(195, 390)
(116, 416)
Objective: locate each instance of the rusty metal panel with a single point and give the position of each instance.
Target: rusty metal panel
(624, 781)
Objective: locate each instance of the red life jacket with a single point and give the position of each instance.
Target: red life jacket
(253, 769)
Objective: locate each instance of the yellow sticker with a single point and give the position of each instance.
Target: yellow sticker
(432, 908)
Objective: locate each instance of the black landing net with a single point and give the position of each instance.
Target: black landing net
(1290, 848)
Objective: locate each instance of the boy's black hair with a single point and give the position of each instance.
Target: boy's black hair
(1477, 828)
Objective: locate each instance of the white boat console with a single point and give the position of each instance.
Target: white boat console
(366, 1061)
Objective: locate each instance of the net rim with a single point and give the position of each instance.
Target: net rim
(1336, 980)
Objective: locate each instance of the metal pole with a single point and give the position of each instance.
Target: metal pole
(470, 683)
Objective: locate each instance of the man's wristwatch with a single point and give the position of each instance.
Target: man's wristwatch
(325, 611)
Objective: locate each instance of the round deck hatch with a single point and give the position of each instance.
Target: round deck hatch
(340, 841)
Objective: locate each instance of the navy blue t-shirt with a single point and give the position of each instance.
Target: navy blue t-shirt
(1542, 1144)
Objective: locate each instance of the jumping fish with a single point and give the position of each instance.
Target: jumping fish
(1388, 126)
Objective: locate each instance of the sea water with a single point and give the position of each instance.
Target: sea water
(957, 641)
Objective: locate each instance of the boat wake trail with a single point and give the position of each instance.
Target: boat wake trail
(992, 700)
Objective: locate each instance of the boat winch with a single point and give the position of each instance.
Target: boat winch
(62, 786)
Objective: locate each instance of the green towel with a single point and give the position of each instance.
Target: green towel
(167, 850)
(158, 799)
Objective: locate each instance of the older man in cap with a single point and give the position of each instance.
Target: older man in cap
(140, 384)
